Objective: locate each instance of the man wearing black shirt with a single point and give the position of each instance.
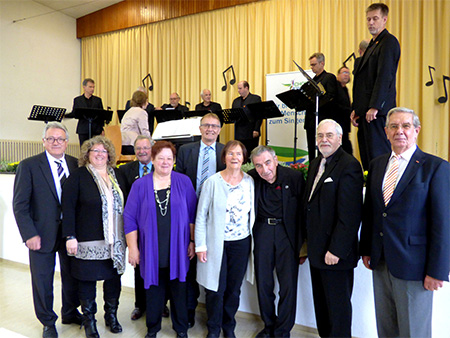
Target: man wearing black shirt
(345, 107)
(207, 104)
(246, 132)
(174, 104)
(87, 100)
(277, 239)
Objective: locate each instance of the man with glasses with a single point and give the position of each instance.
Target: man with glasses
(200, 160)
(345, 107)
(131, 172)
(207, 104)
(37, 209)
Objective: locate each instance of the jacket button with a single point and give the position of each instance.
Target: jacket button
(384, 214)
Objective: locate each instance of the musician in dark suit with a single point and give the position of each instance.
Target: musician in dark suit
(174, 104)
(87, 100)
(207, 104)
(37, 209)
(190, 160)
(150, 111)
(344, 105)
(333, 203)
(374, 91)
(246, 132)
(405, 232)
(131, 172)
(327, 102)
(277, 239)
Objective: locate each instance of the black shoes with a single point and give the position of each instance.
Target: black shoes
(110, 308)
(77, 318)
(191, 318)
(136, 314)
(49, 332)
(150, 335)
(182, 335)
(165, 313)
(264, 334)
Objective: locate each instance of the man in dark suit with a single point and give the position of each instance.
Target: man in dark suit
(174, 104)
(405, 232)
(344, 105)
(246, 132)
(200, 160)
(333, 203)
(37, 209)
(87, 100)
(207, 104)
(131, 172)
(327, 102)
(150, 111)
(277, 239)
(374, 91)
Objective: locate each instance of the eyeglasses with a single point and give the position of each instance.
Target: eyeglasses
(212, 126)
(99, 151)
(52, 140)
(327, 135)
(142, 148)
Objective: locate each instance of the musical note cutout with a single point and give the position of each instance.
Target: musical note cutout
(232, 81)
(350, 56)
(429, 83)
(151, 81)
(444, 98)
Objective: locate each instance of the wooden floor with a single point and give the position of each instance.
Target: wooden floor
(17, 318)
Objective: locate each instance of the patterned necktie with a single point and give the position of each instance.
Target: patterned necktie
(391, 179)
(205, 168)
(145, 170)
(318, 176)
(61, 174)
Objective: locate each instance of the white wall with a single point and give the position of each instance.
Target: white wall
(40, 63)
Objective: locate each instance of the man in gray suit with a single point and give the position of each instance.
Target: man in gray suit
(37, 209)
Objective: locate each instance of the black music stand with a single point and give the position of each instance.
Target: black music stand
(263, 111)
(93, 114)
(196, 113)
(120, 114)
(233, 115)
(46, 114)
(168, 115)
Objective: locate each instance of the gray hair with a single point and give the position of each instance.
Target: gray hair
(85, 81)
(55, 125)
(363, 45)
(261, 149)
(416, 121)
(143, 137)
(201, 93)
(319, 56)
(337, 126)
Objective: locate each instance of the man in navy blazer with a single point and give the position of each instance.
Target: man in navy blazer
(405, 234)
(37, 209)
(190, 162)
(374, 91)
(333, 208)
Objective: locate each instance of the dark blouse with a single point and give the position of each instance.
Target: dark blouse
(163, 231)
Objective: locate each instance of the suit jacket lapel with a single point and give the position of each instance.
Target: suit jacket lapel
(195, 154)
(328, 169)
(47, 173)
(312, 172)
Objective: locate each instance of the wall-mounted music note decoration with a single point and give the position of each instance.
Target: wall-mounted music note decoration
(232, 81)
(444, 98)
(429, 83)
(349, 57)
(150, 88)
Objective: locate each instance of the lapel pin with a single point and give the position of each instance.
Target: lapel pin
(417, 161)
(286, 187)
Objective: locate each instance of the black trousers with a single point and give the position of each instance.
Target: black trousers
(332, 292)
(273, 251)
(139, 291)
(221, 306)
(156, 300)
(193, 290)
(372, 139)
(111, 288)
(42, 267)
(250, 144)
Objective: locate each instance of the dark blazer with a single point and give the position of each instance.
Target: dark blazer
(374, 78)
(293, 188)
(413, 230)
(213, 107)
(83, 125)
(150, 113)
(36, 205)
(243, 130)
(187, 160)
(333, 214)
(130, 173)
(180, 107)
(327, 102)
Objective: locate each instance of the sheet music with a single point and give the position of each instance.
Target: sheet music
(178, 128)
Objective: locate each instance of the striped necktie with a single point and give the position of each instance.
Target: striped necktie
(391, 179)
(145, 170)
(205, 168)
(61, 174)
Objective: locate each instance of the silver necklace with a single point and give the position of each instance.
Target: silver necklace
(162, 208)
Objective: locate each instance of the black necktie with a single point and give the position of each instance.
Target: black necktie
(61, 174)
(145, 171)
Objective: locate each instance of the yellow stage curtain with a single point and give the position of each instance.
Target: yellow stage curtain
(188, 54)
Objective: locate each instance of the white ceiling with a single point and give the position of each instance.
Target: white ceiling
(77, 8)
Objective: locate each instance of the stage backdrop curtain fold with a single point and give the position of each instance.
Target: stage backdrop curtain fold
(188, 54)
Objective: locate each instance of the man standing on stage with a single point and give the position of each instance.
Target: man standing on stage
(277, 239)
(207, 104)
(405, 234)
(246, 132)
(200, 160)
(37, 209)
(374, 91)
(87, 100)
(345, 107)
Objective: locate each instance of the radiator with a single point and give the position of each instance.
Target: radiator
(16, 150)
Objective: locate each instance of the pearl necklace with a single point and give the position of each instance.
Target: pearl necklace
(163, 209)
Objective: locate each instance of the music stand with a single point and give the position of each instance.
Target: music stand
(263, 111)
(120, 114)
(195, 113)
(46, 114)
(168, 115)
(93, 114)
